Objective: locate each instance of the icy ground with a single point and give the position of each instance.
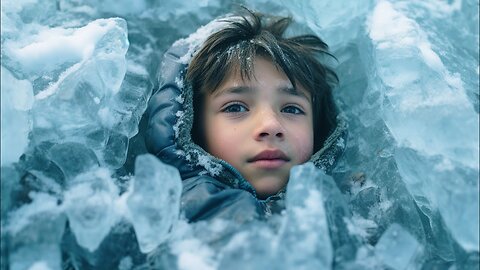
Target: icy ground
(75, 79)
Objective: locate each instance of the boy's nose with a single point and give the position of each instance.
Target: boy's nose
(268, 126)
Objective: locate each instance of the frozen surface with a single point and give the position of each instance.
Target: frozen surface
(154, 201)
(397, 249)
(17, 100)
(430, 117)
(306, 225)
(89, 203)
(75, 80)
(35, 232)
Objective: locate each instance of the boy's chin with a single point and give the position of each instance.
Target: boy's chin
(268, 186)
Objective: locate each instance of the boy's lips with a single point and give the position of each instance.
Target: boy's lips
(269, 159)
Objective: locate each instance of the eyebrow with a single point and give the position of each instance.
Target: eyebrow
(294, 92)
(234, 90)
(289, 90)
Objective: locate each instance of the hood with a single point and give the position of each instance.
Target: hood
(170, 118)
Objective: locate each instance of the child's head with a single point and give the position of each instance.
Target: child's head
(262, 102)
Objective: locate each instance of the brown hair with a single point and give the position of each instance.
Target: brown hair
(250, 34)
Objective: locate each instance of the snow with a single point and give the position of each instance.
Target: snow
(75, 84)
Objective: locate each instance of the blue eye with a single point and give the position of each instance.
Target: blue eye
(292, 110)
(235, 108)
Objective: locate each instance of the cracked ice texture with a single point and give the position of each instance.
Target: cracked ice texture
(431, 118)
(410, 94)
(82, 89)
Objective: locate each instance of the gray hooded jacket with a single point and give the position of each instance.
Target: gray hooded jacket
(211, 187)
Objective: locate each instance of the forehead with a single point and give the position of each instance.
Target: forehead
(261, 72)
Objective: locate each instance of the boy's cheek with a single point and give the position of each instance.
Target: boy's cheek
(305, 154)
(304, 145)
(220, 144)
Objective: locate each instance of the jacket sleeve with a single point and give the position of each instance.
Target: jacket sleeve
(205, 198)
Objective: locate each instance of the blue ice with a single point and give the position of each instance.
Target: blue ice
(75, 80)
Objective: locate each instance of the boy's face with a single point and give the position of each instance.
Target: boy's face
(262, 126)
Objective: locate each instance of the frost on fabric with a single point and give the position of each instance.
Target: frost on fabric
(180, 99)
(212, 167)
(341, 143)
(178, 123)
(179, 82)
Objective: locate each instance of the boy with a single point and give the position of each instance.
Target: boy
(262, 103)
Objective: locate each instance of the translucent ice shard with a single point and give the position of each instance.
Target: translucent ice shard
(306, 229)
(125, 109)
(90, 207)
(34, 234)
(397, 248)
(154, 202)
(74, 73)
(453, 191)
(80, 93)
(72, 158)
(424, 96)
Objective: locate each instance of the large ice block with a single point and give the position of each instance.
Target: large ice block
(76, 74)
(70, 105)
(90, 206)
(154, 202)
(423, 95)
(408, 84)
(429, 114)
(452, 192)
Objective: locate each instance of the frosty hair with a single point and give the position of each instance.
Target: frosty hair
(248, 35)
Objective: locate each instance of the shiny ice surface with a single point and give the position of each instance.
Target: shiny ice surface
(75, 80)
(154, 201)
